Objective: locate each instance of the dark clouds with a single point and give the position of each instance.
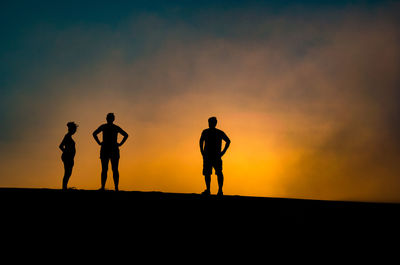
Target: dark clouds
(326, 76)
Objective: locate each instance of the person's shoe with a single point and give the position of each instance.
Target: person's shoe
(205, 192)
(220, 193)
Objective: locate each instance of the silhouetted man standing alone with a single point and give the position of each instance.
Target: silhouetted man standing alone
(109, 148)
(210, 148)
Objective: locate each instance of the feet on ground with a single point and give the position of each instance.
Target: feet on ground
(220, 193)
(206, 192)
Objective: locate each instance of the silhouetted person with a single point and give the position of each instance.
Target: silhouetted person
(210, 148)
(67, 146)
(109, 148)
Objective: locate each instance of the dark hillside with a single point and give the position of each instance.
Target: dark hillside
(153, 219)
(147, 206)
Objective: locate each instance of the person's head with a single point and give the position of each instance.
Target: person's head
(212, 122)
(72, 127)
(110, 118)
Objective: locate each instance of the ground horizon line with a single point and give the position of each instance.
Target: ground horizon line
(74, 189)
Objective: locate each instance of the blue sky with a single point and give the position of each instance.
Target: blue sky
(327, 69)
(21, 19)
(29, 50)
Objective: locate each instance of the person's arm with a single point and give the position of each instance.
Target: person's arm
(227, 143)
(202, 144)
(124, 134)
(62, 145)
(96, 132)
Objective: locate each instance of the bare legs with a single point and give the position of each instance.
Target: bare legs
(220, 178)
(220, 182)
(207, 178)
(104, 170)
(68, 165)
(114, 167)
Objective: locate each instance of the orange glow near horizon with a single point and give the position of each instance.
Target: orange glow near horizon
(313, 125)
(166, 156)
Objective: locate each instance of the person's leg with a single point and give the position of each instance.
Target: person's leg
(220, 182)
(218, 171)
(207, 179)
(114, 166)
(67, 173)
(207, 171)
(104, 169)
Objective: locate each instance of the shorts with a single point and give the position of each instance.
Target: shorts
(109, 153)
(212, 162)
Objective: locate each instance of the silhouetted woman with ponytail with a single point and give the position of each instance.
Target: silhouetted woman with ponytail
(67, 146)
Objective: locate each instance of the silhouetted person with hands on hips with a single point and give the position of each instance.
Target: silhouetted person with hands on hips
(67, 147)
(210, 148)
(109, 148)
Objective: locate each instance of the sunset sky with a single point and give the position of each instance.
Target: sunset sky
(308, 93)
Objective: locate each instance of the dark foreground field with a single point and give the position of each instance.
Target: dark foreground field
(157, 220)
(72, 207)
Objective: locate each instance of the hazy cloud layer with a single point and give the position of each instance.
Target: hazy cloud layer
(311, 101)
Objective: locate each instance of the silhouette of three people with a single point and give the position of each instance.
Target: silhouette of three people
(210, 148)
(67, 147)
(109, 148)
